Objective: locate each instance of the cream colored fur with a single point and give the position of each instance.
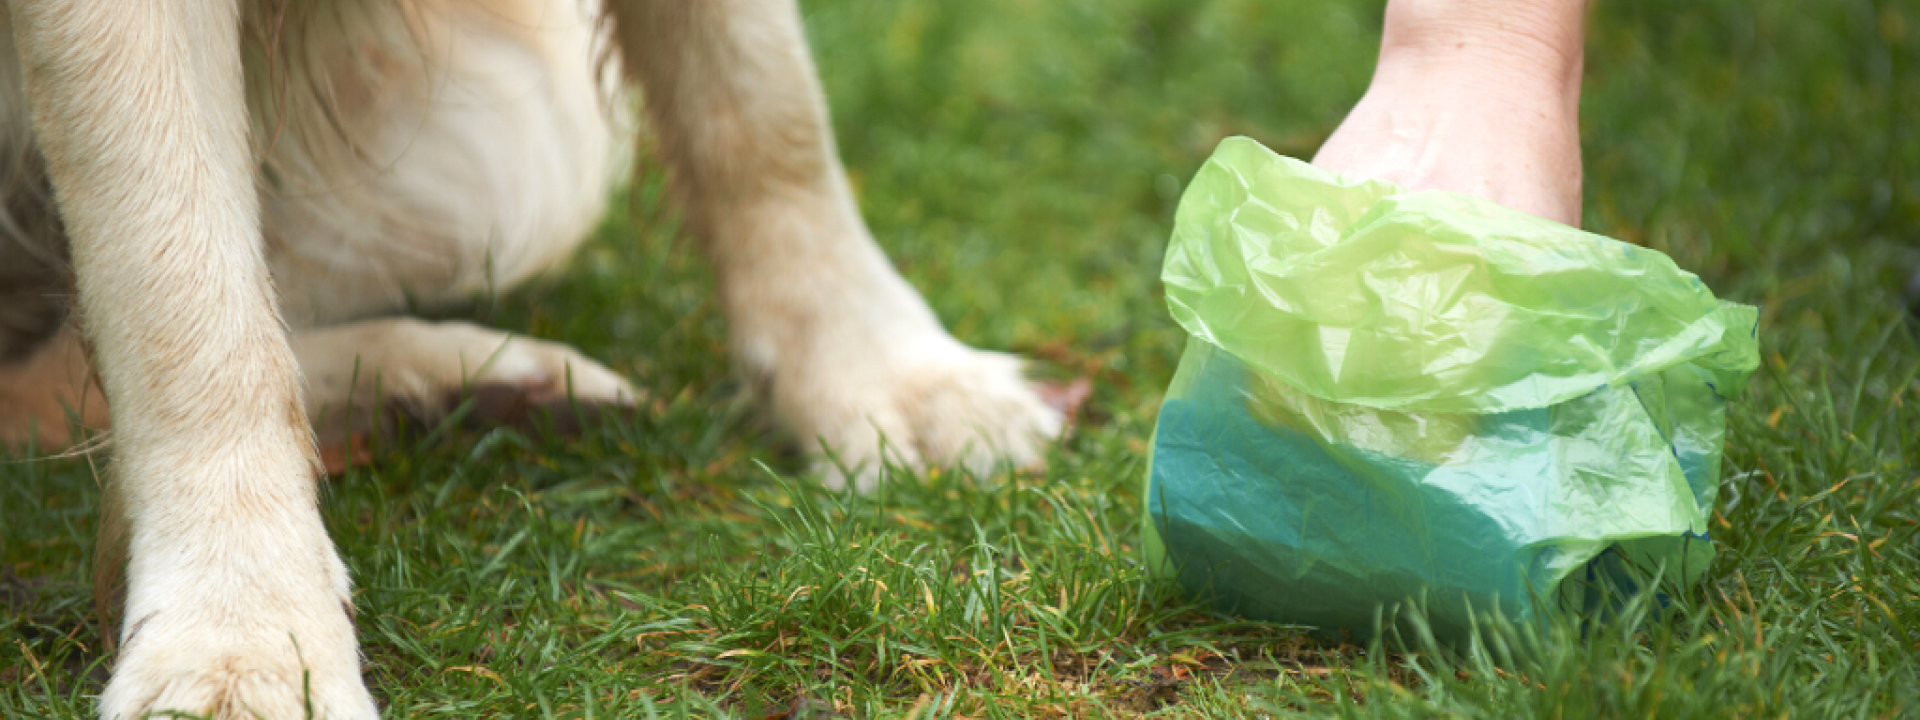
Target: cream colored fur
(225, 170)
(848, 352)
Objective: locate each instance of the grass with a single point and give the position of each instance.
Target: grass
(1020, 161)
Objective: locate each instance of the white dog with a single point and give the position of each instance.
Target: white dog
(201, 175)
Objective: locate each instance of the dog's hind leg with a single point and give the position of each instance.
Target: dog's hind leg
(237, 604)
(43, 394)
(849, 354)
(365, 374)
(360, 377)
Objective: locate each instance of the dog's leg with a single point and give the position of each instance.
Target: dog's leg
(421, 369)
(411, 369)
(851, 356)
(237, 605)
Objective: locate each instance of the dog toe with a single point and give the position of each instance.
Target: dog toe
(964, 408)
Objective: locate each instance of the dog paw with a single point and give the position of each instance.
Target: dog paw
(935, 403)
(228, 660)
(236, 688)
(367, 375)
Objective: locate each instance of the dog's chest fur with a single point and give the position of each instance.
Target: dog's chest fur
(411, 152)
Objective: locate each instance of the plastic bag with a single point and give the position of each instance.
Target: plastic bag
(1391, 394)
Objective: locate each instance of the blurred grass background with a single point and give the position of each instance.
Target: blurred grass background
(1020, 161)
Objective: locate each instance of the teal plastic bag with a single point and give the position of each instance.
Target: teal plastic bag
(1391, 394)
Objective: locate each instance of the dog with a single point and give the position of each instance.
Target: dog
(217, 208)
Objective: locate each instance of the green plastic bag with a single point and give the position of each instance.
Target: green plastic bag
(1392, 394)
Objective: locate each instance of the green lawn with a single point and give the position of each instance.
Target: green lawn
(1020, 160)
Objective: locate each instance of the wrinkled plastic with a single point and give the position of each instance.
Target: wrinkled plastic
(1391, 394)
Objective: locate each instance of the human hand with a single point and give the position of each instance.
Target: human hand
(1473, 96)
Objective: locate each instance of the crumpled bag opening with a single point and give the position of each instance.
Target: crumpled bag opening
(1391, 394)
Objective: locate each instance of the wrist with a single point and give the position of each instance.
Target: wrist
(1533, 43)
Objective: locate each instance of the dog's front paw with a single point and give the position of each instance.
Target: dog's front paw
(934, 403)
(231, 663)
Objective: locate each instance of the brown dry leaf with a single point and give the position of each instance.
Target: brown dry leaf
(335, 459)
